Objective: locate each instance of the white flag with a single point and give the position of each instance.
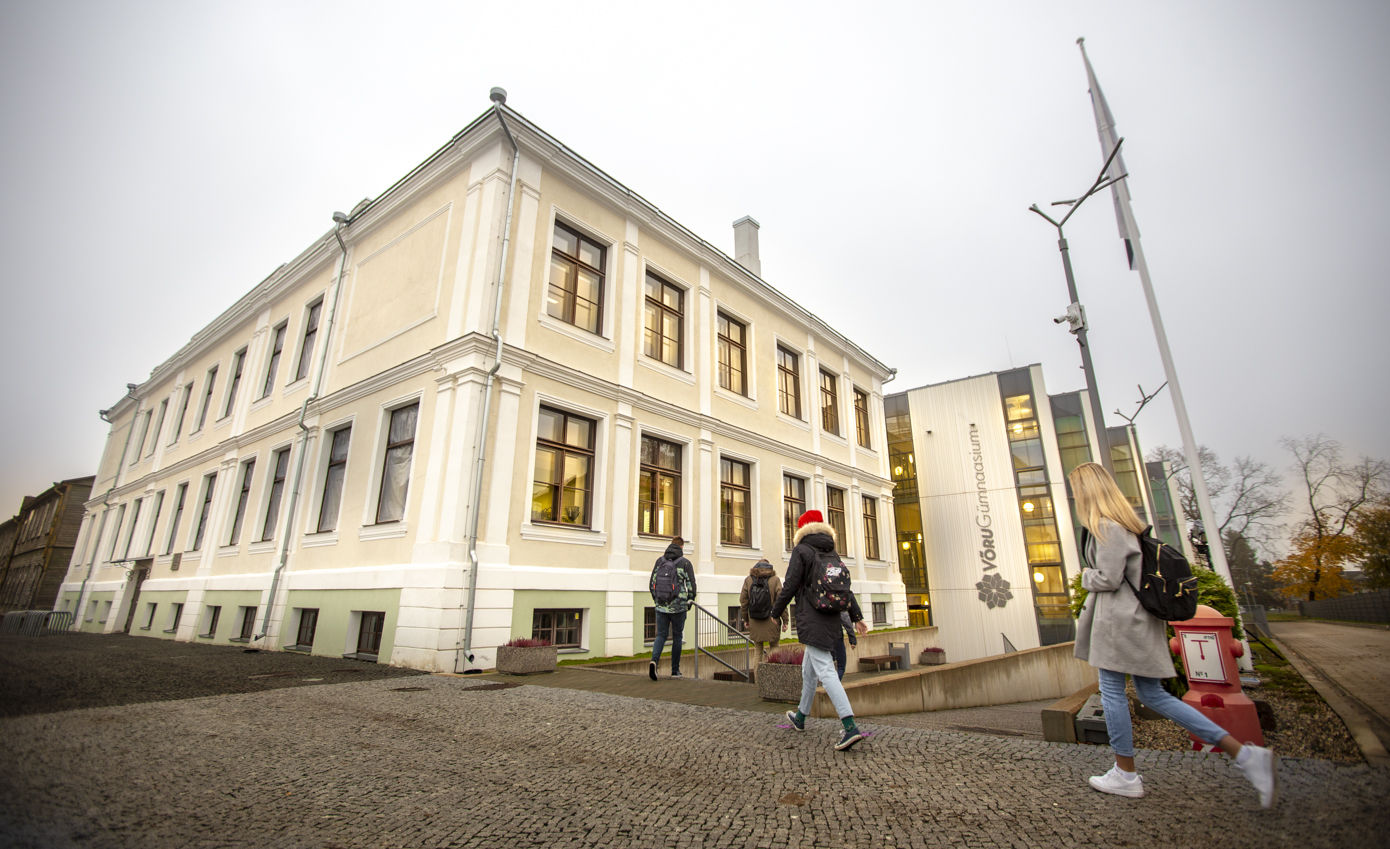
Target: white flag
(1105, 127)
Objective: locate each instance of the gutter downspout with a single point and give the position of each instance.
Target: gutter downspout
(304, 438)
(105, 500)
(499, 97)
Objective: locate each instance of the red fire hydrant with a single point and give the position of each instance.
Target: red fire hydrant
(1208, 653)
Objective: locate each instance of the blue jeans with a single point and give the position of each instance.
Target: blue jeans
(818, 668)
(1151, 693)
(672, 624)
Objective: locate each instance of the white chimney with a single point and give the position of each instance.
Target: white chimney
(746, 244)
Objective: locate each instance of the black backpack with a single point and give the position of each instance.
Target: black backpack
(666, 585)
(1167, 589)
(759, 599)
(828, 588)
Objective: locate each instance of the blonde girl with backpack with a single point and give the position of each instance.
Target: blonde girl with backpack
(1119, 637)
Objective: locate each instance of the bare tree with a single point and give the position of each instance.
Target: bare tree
(1248, 495)
(1335, 494)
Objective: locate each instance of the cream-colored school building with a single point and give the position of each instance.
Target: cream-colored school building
(302, 474)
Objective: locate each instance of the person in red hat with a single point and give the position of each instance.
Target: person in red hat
(819, 582)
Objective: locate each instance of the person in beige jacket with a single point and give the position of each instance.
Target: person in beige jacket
(763, 632)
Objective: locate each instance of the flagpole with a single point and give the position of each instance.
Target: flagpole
(1130, 231)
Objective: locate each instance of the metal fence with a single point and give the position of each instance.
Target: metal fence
(1254, 615)
(35, 623)
(1372, 606)
(712, 632)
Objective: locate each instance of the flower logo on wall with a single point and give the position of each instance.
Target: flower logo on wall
(994, 590)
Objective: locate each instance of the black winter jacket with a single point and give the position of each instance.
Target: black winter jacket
(813, 628)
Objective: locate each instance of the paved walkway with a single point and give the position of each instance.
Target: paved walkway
(1356, 659)
(490, 762)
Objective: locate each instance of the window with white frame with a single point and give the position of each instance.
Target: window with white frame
(306, 345)
(183, 412)
(243, 496)
(332, 500)
(562, 482)
(793, 505)
(829, 403)
(209, 483)
(788, 383)
(395, 472)
(277, 347)
(880, 612)
(158, 426)
(835, 516)
(210, 616)
(861, 418)
(735, 502)
(179, 496)
(576, 280)
(130, 531)
(209, 383)
(280, 466)
(139, 444)
(732, 339)
(238, 363)
(116, 537)
(154, 522)
(663, 337)
(871, 528)
(659, 488)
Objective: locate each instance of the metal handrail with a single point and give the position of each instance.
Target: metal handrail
(747, 644)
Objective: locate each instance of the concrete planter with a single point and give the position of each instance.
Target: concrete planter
(527, 660)
(779, 682)
(932, 658)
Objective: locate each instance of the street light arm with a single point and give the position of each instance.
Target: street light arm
(1034, 208)
(1096, 186)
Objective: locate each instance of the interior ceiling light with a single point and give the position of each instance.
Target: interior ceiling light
(1018, 428)
(1028, 507)
(1038, 577)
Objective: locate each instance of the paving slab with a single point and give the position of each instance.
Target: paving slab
(1354, 660)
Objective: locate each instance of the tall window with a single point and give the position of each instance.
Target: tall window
(733, 355)
(788, 383)
(665, 322)
(829, 404)
(210, 381)
(871, 528)
(563, 479)
(793, 505)
(835, 516)
(178, 515)
(561, 627)
(369, 632)
(139, 444)
(276, 348)
(130, 531)
(308, 623)
(183, 411)
(208, 484)
(395, 473)
(861, 418)
(154, 520)
(277, 492)
(158, 426)
(116, 537)
(237, 364)
(248, 623)
(576, 280)
(306, 347)
(210, 617)
(659, 488)
(242, 497)
(735, 507)
(333, 481)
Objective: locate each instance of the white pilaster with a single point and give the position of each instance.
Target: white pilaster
(621, 509)
(628, 321)
(427, 549)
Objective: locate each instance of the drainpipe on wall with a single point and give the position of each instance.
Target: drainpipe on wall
(340, 220)
(499, 99)
(105, 500)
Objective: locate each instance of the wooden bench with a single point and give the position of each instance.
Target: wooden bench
(879, 660)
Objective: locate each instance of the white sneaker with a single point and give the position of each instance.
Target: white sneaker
(1262, 768)
(1115, 783)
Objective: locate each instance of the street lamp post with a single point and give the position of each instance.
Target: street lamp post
(1076, 314)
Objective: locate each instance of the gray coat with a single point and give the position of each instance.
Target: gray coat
(1114, 631)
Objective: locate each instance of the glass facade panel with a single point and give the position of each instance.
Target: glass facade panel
(1037, 513)
(1122, 456)
(907, 509)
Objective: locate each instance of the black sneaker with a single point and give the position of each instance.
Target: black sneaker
(791, 717)
(849, 738)
(651, 670)
(677, 674)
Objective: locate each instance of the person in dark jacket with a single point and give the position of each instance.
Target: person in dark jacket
(670, 617)
(817, 631)
(763, 632)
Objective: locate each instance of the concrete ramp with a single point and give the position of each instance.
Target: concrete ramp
(1049, 672)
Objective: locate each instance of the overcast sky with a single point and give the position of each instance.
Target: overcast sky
(159, 160)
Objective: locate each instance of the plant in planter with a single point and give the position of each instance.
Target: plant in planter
(933, 656)
(525, 656)
(779, 676)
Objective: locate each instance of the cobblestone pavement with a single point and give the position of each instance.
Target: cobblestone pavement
(440, 761)
(68, 671)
